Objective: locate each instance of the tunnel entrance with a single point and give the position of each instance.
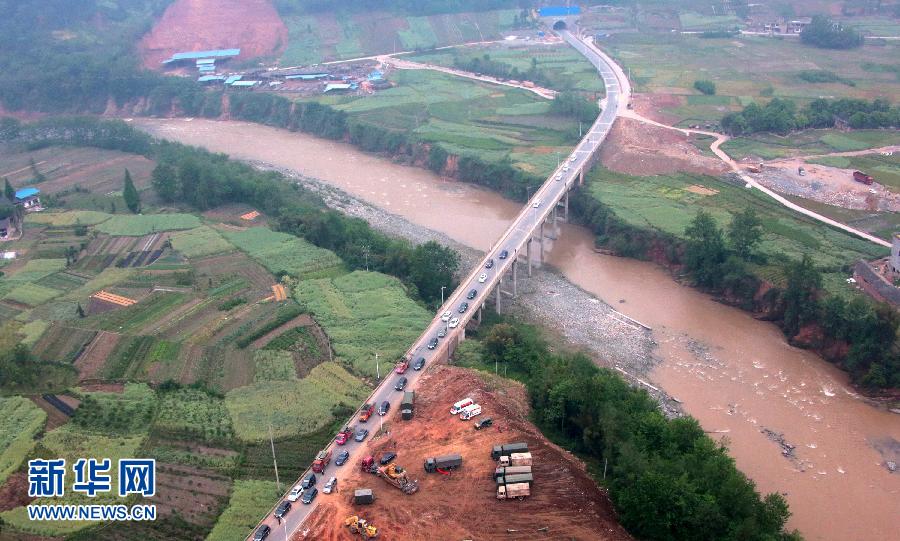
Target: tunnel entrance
(559, 25)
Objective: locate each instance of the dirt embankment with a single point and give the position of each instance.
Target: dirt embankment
(634, 148)
(565, 502)
(253, 26)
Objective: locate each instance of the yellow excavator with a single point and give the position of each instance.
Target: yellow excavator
(361, 526)
(393, 474)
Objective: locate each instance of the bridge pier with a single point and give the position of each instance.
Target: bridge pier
(515, 273)
(581, 177)
(528, 254)
(499, 287)
(478, 316)
(567, 207)
(542, 243)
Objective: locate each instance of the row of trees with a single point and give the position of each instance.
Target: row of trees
(502, 70)
(873, 357)
(782, 116)
(667, 479)
(573, 104)
(825, 33)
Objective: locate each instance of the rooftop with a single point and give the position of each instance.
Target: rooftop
(26, 192)
(218, 53)
(232, 79)
(208, 78)
(245, 83)
(559, 11)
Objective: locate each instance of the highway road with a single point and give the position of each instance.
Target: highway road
(513, 242)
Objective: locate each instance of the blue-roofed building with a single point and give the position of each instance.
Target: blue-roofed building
(244, 84)
(376, 75)
(210, 78)
(201, 55)
(28, 198)
(230, 80)
(339, 87)
(559, 11)
(204, 61)
(307, 76)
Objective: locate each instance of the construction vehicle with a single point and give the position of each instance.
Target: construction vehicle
(508, 449)
(509, 479)
(367, 411)
(363, 496)
(859, 176)
(503, 471)
(322, 460)
(392, 474)
(513, 490)
(407, 405)
(361, 527)
(516, 459)
(443, 463)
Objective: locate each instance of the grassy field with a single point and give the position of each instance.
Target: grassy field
(273, 365)
(665, 204)
(364, 313)
(468, 117)
(69, 218)
(200, 242)
(20, 421)
(565, 67)
(885, 169)
(138, 225)
(770, 146)
(117, 414)
(249, 501)
(281, 253)
(193, 413)
(747, 68)
(31, 294)
(326, 387)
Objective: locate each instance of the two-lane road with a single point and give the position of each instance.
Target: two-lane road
(513, 242)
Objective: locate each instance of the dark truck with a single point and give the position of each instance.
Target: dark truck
(443, 462)
(859, 176)
(508, 449)
(514, 478)
(363, 496)
(407, 405)
(507, 471)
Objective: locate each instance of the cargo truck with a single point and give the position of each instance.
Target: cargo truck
(363, 496)
(516, 478)
(367, 411)
(514, 490)
(322, 460)
(510, 470)
(443, 462)
(859, 176)
(407, 405)
(516, 459)
(508, 449)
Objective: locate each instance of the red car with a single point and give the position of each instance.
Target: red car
(344, 435)
(401, 367)
(367, 411)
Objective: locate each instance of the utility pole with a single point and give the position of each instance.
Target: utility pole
(274, 462)
(442, 294)
(377, 369)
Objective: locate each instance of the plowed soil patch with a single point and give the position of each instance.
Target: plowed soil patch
(94, 356)
(253, 26)
(565, 502)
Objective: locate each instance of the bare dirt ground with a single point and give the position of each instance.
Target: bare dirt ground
(194, 494)
(831, 185)
(652, 105)
(565, 502)
(55, 418)
(253, 26)
(14, 493)
(91, 361)
(635, 148)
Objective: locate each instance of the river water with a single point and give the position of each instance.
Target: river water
(735, 374)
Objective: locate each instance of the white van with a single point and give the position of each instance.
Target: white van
(460, 405)
(470, 411)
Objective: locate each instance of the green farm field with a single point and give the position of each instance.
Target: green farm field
(250, 499)
(20, 421)
(769, 146)
(885, 169)
(281, 253)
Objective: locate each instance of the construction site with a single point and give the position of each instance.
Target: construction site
(461, 502)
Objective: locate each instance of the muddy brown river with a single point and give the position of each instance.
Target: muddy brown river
(735, 374)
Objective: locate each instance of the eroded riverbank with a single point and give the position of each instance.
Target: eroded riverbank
(737, 375)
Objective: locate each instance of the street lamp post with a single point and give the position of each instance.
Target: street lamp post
(377, 368)
(442, 294)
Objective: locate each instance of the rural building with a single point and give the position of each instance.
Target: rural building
(210, 79)
(895, 253)
(340, 87)
(244, 84)
(207, 57)
(28, 199)
(797, 25)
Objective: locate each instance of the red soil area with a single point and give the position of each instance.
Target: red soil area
(253, 26)
(565, 502)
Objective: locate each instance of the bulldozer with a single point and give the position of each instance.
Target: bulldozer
(361, 526)
(393, 474)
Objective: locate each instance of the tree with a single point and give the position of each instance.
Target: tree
(165, 181)
(431, 266)
(705, 251)
(825, 33)
(745, 232)
(9, 191)
(79, 310)
(800, 302)
(706, 87)
(131, 195)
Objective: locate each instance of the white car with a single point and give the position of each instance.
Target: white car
(536, 204)
(330, 486)
(445, 316)
(454, 322)
(482, 278)
(573, 158)
(295, 494)
(566, 167)
(559, 176)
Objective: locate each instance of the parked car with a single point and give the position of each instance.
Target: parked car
(482, 278)
(295, 493)
(463, 307)
(342, 458)
(445, 316)
(419, 364)
(309, 480)
(344, 435)
(282, 509)
(566, 167)
(384, 408)
(454, 322)
(442, 332)
(472, 294)
(489, 264)
(387, 457)
(433, 344)
(536, 204)
(401, 384)
(309, 495)
(504, 254)
(484, 423)
(330, 486)
(559, 176)
(261, 533)
(361, 434)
